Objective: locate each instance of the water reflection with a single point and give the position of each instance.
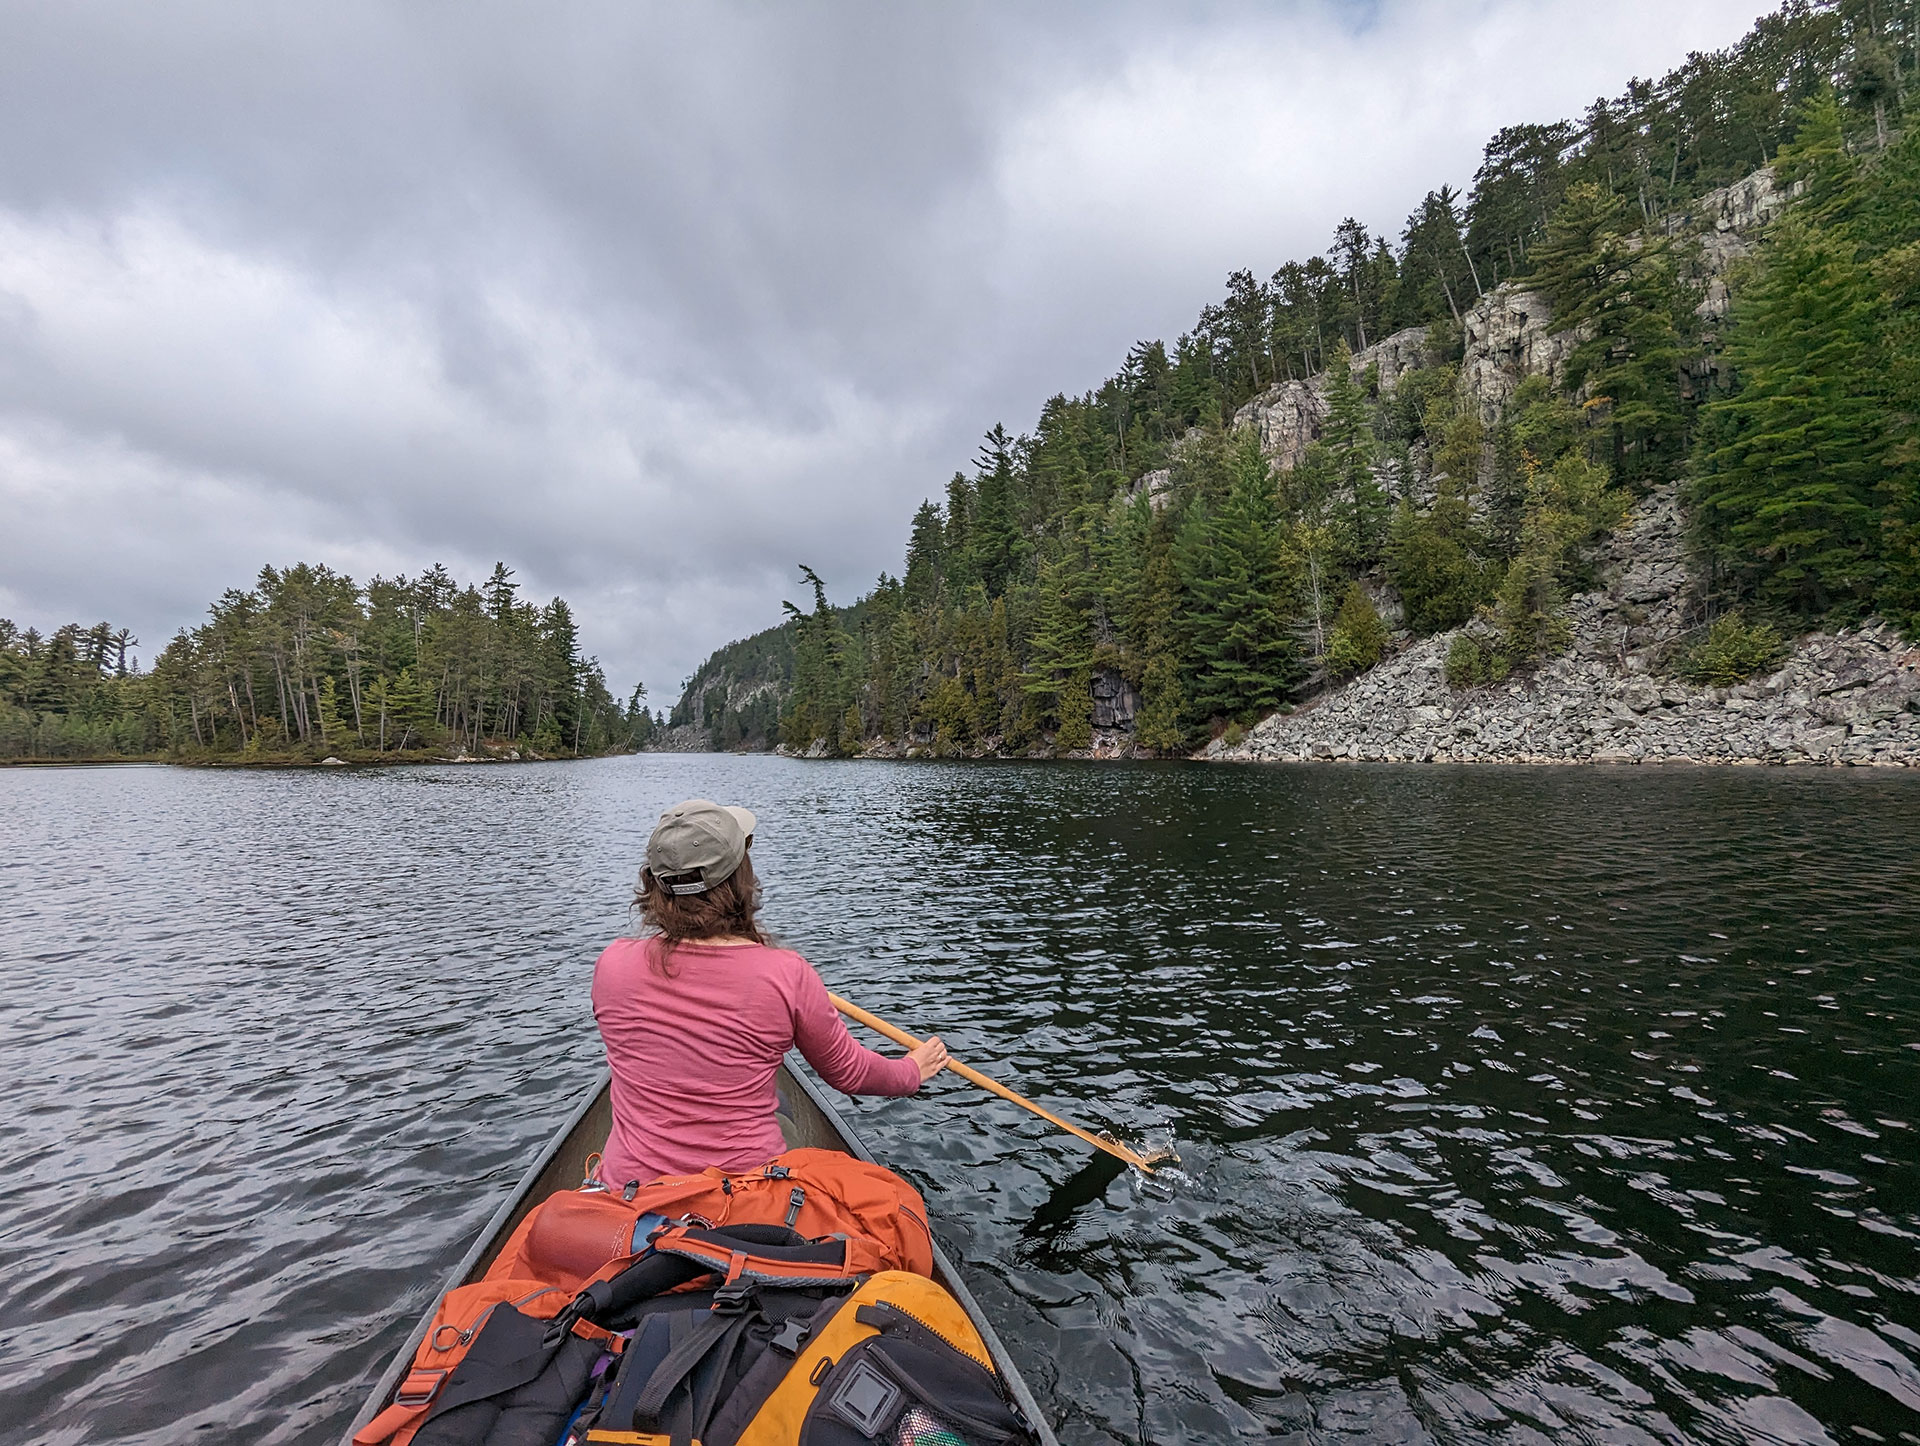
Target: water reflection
(1512, 1104)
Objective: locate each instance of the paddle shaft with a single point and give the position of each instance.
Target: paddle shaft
(992, 1086)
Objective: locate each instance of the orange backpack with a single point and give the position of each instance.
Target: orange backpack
(572, 1237)
(464, 1313)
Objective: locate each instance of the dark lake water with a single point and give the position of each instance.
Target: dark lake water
(1515, 1105)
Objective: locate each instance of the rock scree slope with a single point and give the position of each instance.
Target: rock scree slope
(1851, 697)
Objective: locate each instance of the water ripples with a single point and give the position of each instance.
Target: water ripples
(1513, 1104)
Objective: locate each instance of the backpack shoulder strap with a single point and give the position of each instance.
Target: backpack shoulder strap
(810, 1263)
(717, 1334)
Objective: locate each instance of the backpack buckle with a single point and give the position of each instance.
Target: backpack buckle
(421, 1386)
(792, 1335)
(736, 1297)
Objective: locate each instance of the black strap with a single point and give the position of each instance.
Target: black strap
(713, 1333)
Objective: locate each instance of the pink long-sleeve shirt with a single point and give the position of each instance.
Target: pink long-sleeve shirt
(693, 1054)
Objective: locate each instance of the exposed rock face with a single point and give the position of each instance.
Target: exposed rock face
(1287, 418)
(1851, 697)
(1647, 598)
(1509, 337)
(1395, 356)
(1157, 485)
(1725, 221)
(1114, 701)
(1842, 698)
(1745, 206)
(686, 738)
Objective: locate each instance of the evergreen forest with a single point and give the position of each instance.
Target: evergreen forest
(1137, 538)
(307, 664)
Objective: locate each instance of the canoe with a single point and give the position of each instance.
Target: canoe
(561, 1164)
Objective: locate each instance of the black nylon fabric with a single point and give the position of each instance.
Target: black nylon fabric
(662, 1324)
(511, 1389)
(743, 1403)
(962, 1393)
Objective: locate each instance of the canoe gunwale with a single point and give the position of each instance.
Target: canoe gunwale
(943, 1270)
(826, 1122)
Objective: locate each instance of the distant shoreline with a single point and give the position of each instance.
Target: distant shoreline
(332, 761)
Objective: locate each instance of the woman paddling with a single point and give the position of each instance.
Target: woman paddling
(697, 1014)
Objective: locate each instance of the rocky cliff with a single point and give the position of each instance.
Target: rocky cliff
(1841, 698)
(1850, 697)
(1508, 335)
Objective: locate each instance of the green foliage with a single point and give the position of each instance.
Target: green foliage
(1539, 428)
(1060, 668)
(823, 685)
(1359, 637)
(1733, 651)
(1235, 587)
(1529, 607)
(1439, 562)
(1806, 493)
(1347, 436)
(1605, 275)
(1791, 463)
(308, 663)
(1568, 505)
(1158, 726)
(1459, 443)
(1473, 661)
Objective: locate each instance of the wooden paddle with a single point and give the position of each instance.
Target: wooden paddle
(1099, 1142)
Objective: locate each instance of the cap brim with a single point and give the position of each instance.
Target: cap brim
(742, 817)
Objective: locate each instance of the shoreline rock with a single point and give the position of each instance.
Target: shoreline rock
(1851, 697)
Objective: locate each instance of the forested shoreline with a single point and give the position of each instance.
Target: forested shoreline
(309, 665)
(1137, 539)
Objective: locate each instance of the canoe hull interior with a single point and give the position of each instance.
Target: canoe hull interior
(809, 1120)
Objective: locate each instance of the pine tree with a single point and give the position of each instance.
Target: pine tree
(1439, 562)
(957, 550)
(1435, 275)
(332, 730)
(1060, 666)
(1359, 637)
(1818, 162)
(1241, 655)
(817, 707)
(1347, 435)
(1621, 288)
(1791, 468)
(926, 548)
(1568, 505)
(996, 542)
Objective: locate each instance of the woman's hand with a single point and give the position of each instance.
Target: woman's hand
(931, 1057)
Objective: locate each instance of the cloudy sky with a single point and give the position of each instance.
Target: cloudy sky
(653, 302)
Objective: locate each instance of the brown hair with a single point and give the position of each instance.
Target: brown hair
(731, 906)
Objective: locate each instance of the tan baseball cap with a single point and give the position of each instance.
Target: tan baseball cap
(698, 844)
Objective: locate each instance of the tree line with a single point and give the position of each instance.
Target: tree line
(1135, 533)
(307, 664)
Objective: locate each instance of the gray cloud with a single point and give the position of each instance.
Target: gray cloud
(650, 301)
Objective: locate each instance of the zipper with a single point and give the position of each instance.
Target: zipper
(462, 1337)
(994, 1430)
(914, 1216)
(915, 1323)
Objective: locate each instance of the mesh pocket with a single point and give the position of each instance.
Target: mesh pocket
(920, 1427)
